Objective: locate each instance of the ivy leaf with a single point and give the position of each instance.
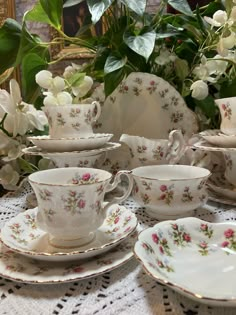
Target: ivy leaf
(46, 11)
(76, 78)
(114, 63)
(112, 80)
(169, 32)
(142, 44)
(138, 6)
(227, 89)
(97, 8)
(10, 38)
(181, 68)
(31, 64)
(181, 6)
(71, 3)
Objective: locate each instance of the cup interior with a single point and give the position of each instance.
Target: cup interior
(170, 172)
(69, 176)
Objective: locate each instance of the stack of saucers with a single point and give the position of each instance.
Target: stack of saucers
(71, 140)
(66, 237)
(223, 181)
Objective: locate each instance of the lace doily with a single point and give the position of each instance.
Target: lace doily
(125, 290)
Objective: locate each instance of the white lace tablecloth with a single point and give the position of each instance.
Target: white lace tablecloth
(125, 290)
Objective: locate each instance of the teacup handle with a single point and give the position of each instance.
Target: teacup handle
(115, 183)
(99, 110)
(176, 146)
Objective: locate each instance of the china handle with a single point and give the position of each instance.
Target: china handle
(176, 146)
(115, 183)
(99, 110)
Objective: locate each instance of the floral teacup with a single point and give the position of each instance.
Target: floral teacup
(70, 202)
(227, 107)
(72, 121)
(170, 191)
(146, 151)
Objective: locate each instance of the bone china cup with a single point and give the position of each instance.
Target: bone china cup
(72, 121)
(170, 191)
(227, 107)
(70, 202)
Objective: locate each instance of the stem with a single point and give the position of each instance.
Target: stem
(2, 125)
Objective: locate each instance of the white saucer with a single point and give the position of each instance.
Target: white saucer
(219, 184)
(193, 257)
(20, 268)
(48, 144)
(206, 146)
(37, 151)
(22, 235)
(213, 196)
(216, 137)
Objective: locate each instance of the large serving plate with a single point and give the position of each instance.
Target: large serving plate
(206, 146)
(194, 257)
(216, 137)
(144, 98)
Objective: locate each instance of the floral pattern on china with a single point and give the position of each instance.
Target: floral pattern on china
(146, 97)
(167, 249)
(23, 235)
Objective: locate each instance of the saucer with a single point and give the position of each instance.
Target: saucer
(20, 268)
(216, 137)
(22, 235)
(39, 152)
(219, 184)
(49, 144)
(206, 146)
(213, 196)
(193, 257)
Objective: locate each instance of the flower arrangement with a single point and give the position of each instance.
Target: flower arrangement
(72, 88)
(17, 119)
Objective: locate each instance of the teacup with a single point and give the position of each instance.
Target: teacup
(72, 121)
(170, 191)
(230, 166)
(70, 202)
(227, 107)
(146, 151)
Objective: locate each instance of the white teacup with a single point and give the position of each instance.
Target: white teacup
(70, 202)
(146, 151)
(230, 166)
(227, 107)
(72, 121)
(170, 191)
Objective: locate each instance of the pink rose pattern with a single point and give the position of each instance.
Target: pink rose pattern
(229, 241)
(85, 178)
(74, 202)
(167, 194)
(227, 111)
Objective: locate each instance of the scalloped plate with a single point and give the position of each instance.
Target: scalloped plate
(194, 257)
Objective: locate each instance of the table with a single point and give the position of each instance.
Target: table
(125, 290)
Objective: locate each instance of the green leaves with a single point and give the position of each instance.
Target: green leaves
(181, 6)
(70, 3)
(46, 11)
(97, 8)
(31, 64)
(114, 63)
(112, 80)
(142, 44)
(76, 78)
(138, 6)
(10, 38)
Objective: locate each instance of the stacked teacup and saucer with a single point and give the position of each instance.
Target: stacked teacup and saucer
(63, 238)
(222, 144)
(71, 140)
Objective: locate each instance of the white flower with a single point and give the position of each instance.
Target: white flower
(9, 177)
(70, 70)
(62, 98)
(219, 18)
(83, 88)
(16, 121)
(199, 90)
(226, 43)
(14, 151)
(37, 118)
(165, 57)
(45, 79)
